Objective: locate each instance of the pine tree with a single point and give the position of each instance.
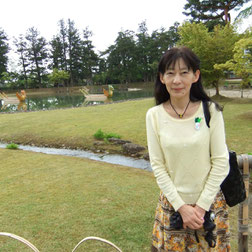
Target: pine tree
(74, 48)
(37, 55)
(22, 50)
(89, 59)
(4, 49)
(212, 12)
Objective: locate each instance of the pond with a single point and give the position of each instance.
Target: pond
(55, 98)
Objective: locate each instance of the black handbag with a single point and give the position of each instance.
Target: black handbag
(233, 186)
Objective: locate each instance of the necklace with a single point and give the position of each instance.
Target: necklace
(180, 115)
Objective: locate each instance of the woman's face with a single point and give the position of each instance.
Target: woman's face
(178, 79)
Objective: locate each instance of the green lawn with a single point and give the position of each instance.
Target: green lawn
(55, 201)
(75, 127)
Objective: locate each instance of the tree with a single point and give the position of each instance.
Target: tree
(143, 51)
(196, 37)
(74, 48)
(63, 44)
(89, 59)
(58, 76)
(160, 41)
(22, 50)
(241, 63)
(220, 49)
(244, 13)
(121, 61)
(71, 53)
(211, 47)
(57, 54)
(10, 79)
(212, 12)
(4, 49)
(37, 55)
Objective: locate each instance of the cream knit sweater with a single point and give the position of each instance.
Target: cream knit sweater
(189, 164)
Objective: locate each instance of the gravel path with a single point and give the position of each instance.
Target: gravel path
(247, 93)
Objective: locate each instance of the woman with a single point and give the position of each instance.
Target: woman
(189, 160)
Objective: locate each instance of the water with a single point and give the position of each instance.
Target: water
(107, 158)
(69, 98)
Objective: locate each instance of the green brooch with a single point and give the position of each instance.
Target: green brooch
(197, 123)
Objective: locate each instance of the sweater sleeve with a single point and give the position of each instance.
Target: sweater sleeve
(157, 161)
(219, 160)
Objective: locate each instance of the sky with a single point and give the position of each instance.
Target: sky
(105, 18)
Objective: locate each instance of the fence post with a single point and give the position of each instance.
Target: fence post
(244, 162)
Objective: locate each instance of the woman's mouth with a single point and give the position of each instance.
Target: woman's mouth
(177, 89)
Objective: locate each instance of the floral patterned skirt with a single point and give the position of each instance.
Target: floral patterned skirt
(166, 239)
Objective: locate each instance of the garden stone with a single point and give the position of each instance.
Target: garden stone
(118, 141)
(97, 143)
(146, 156)
(131, 148)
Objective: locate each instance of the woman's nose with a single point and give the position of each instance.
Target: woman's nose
(176, 79)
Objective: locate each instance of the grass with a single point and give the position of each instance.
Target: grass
(75, 127)
(56, 201)
(100, 135)
(12, 146)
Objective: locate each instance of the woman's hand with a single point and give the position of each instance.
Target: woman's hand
(200, 211)
(191, 216)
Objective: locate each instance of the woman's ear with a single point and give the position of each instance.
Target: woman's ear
(196, 75)
(161, 77)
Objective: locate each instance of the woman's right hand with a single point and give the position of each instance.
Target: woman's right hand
(191, 218)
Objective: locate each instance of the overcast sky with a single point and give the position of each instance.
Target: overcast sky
(105, 18)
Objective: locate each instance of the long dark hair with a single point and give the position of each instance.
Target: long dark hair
(191, 60)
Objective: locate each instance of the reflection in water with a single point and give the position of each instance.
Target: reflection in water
(22, 106)
(54, 102)
(70, 100)
(9, 105)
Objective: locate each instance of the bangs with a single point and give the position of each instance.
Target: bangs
(171, 65)
(172, 56)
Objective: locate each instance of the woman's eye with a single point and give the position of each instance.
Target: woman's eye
(169, 73)
(185, 72)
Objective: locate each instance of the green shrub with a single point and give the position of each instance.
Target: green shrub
(114, 135)
(100, 135)
(12, 146)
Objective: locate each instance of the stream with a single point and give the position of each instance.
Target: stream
(107, 158)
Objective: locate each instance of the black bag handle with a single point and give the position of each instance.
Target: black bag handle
(206, 113)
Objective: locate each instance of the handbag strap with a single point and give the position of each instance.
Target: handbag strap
(206, 113)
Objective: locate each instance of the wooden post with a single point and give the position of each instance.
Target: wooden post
(243, 215)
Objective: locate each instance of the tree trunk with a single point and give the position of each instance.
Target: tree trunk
(217, 89)
(227, 15)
